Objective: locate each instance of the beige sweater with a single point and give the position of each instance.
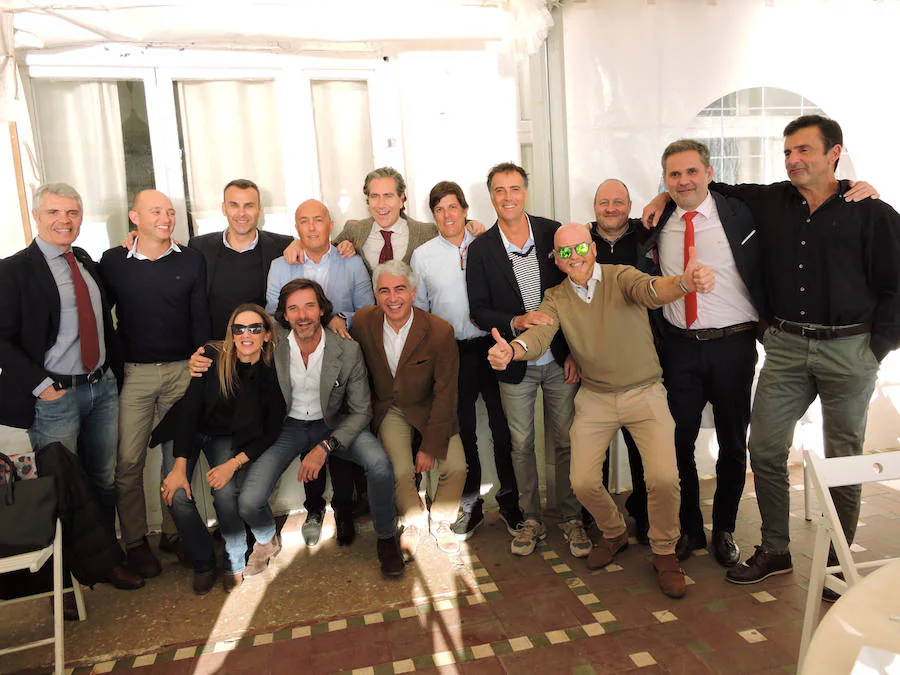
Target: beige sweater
(610, 338)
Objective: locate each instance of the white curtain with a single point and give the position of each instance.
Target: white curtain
(80, 139)
(231, 130)
(344, 146)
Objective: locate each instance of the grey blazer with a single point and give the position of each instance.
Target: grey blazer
(343, 387)
(357, 231)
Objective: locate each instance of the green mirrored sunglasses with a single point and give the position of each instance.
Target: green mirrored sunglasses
(566, 251)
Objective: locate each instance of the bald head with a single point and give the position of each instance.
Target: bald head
(575, 252)
(154, 216)
(314, 226)
(612, 206)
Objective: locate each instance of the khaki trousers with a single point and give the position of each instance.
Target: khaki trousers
(396, 434)
(645, 413)
(148, 392)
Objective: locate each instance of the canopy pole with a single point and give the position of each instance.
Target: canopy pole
(20, 182)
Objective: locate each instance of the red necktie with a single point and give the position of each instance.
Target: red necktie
(387, 251)
(690, 300)
(87, 321)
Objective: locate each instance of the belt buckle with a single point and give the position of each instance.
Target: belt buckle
(95, 377)
(705, 334)
(803, 330)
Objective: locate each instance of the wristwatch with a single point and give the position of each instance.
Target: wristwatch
(331, 444)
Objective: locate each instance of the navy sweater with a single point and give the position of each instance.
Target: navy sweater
(160, 304)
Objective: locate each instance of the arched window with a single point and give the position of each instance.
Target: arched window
(743, 131)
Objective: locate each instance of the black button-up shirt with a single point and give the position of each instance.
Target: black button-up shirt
(837, 266)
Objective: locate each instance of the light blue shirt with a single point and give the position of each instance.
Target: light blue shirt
(441, 279)
(347, 283)
(64, 357)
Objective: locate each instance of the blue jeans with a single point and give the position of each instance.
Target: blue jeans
(297, 438)
(195, 537)
(85, 420)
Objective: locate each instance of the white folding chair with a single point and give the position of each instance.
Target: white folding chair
(824, 474)
(33, 562)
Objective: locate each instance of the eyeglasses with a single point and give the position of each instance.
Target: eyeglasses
(253, 328)
(565, 252)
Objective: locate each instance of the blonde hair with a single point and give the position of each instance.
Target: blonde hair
(227, 364)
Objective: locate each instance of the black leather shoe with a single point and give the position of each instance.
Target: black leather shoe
(312, 527)
(70, 609)
(343, 525)
(761, 565)
(204, 581)
(391, 558)
(725, 551)
(142, 560)
(642, 532)
(124, 579)
(687, 544)
(171, 543)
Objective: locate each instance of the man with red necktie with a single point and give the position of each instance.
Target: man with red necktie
(58, 353)
(708, 342)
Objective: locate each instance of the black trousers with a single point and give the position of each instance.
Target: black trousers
(477, 377)
(341, 483)
(719, 372)
(636, 503)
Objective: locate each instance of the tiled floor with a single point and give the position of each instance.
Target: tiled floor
(326, 610)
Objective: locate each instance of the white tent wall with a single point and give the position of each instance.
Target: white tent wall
(637, 73)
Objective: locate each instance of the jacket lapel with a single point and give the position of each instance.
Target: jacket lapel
(417, 333)
(732, 233)
(501, 259)
(44, 280)
(331, 367)
(283, 363)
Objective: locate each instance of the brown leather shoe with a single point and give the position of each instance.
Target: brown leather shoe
(124, 579)
(142, 560)
(171, 543)
(670, 575)
(260, 556)
(231, 581)
(204, 581)
(603, 553)
(70, 608)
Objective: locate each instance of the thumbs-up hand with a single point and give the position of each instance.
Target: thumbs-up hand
(697, 276)
(501, 353)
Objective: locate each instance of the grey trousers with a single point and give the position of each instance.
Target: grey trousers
(559, 410)
(842, 373)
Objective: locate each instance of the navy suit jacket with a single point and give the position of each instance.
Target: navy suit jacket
(29, 325)
(494, 295)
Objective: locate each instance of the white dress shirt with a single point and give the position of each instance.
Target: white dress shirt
(134, 253)
(440, 268)
(253, 244)
(394, 342)
(729, 303)
(306, 403)
(375, 242)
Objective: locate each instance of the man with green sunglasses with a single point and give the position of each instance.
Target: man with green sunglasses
(601, 310)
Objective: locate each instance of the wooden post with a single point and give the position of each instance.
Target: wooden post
(20, 182)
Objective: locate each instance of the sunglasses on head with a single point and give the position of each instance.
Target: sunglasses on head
(565, 252)
(253, 328)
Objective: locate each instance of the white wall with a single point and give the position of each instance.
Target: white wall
(637, 73)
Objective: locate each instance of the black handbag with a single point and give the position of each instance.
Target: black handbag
(28, 511)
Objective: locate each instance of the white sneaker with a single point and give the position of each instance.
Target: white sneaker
(528, 534)
(579, 543)
(445, 537)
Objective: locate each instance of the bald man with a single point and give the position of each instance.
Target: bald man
(158, 291)
(601, 310)
(347, 285)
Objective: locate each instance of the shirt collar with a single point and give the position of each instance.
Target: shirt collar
(629, 228)
(705, 208)
(596, 276)
(249, 248)
(400, 226)
(403, 329)
(468, 238)
(133, 253)
(49, 250)
(326, 257)
(510, 247)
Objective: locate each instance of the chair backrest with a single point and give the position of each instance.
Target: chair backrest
(840, 471)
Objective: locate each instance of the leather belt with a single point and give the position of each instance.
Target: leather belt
(704, 334)
(69, 381)
(822, 332)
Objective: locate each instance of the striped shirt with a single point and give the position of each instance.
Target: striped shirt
(528, 277)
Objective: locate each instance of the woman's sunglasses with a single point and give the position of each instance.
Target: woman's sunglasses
(253, 328)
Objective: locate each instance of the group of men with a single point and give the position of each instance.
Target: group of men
(433, 308)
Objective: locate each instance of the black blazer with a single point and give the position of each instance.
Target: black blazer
(271, 246)
(743, 238)
(29, 325)
(494, 296)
